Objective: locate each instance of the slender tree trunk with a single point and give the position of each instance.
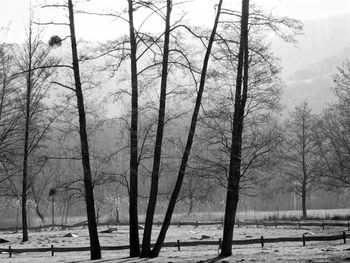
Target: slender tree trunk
(186, 154)
(17, 218)
(191, 205)
(95, 250)
(146, 242)
(303, 200)
(26, 140)
(305, 170)
(25, 175)
(53, 210)
(237, 130)
(117, 215)
(133, 194)
(190, 197)
(67, 213)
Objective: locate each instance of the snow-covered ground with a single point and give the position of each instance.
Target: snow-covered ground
(326, 251)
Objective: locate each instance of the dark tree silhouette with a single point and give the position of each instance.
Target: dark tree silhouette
(236, 146)
(146, 242)
(182, 170)
(95, 250)
(133, 192)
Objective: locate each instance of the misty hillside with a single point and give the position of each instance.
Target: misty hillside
(309, 64)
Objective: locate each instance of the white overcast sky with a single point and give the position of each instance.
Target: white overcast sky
(14, 13)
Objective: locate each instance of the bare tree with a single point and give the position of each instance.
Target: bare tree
(262, 133)
(95, 249)
(236, 146)
(148, 47)
(300, 152)
(250, 17)
(133, 213)
(334, 146)
(146, 243)
(10, 115)
(36, 66)
(333, 133)
(191, 133)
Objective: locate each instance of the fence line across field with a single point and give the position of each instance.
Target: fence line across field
(179, 244)
(298, 224)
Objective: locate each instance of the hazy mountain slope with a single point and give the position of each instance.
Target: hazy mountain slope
(308, 66)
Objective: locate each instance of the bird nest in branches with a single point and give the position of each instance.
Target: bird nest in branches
(55, 41)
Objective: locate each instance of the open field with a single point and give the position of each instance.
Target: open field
(321, 214)
(327, 251)
(268, 215)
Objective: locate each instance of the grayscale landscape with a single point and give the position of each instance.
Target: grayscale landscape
(174, 131)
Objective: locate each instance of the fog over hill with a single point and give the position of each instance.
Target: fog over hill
(309, 64)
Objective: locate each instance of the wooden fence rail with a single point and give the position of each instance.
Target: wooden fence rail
(179, 244)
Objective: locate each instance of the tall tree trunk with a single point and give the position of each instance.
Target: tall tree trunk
(95, 250)
(26, 139)
(133, 194)
(146, 242)
(191, 133)
(237, 130)
(303, 199)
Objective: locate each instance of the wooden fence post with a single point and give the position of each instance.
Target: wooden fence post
(322, 225)
(344, 237)
(262, 242)
(275, 224)
(52, 251)
(303, 240)
(299, 223)
(220, 244)
(178, 245)
(178, 223)
(158, 223)
(196, 223)
(10, 252)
